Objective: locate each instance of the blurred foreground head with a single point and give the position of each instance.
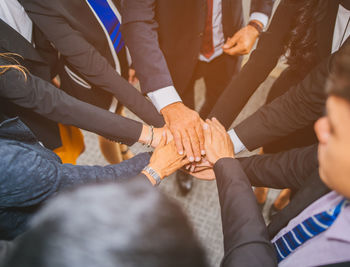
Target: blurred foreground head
(333, 130)
(128, 224)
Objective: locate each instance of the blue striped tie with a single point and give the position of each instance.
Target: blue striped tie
(110, 22)
(306, 230)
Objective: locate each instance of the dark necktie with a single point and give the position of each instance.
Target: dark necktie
(110, 22)
(306, 230)
(207, 48)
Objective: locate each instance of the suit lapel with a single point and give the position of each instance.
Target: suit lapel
(13, 42)
(325, 29)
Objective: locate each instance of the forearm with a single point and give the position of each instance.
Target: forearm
(287, 169)
(139, 29)
(298, 107)
(50, 102)
(245, 234)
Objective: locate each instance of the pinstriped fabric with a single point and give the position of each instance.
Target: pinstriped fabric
(110, 21)
(306, 230)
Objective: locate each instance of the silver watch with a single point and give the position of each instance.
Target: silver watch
(153, 173)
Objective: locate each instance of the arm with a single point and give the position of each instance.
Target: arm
(246, 242)
(29, 179)
(84, 58)
(139, 29)
(297, 108)
(287, 169)
(243, 41)
(50, 102)
(261, 62)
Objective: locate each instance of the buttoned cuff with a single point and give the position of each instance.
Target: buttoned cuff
(263, 18)
(164, 97)
(237, 143)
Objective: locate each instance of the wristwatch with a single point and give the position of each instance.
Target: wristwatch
(256, 26)
(153, 173)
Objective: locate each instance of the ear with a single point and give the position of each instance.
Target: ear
(322, 130)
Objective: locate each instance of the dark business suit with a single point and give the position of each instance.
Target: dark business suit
(165, 37)
(265, 57)
(40, 64)
(36, 95)
(246, 238)
(74, 31)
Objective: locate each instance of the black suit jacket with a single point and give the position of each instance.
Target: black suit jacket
(41, 97)
(12, 42)
(266, 55)
(164, 37)
(72, 28)
(246, 238)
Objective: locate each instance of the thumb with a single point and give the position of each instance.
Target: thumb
(163, 139)
(231, 42)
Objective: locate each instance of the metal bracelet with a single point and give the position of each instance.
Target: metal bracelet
(153, 173)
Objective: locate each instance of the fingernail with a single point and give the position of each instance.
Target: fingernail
(205, 126)
(203, 152)
(198, 159)
(181, 152)
(187, 167)
(214, 119)
(191, 159)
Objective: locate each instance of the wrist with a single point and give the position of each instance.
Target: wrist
(144, 134)
(167, 108)
(157, 169)
(257, 25)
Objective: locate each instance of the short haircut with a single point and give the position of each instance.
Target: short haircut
(339, 79)
(129, 224)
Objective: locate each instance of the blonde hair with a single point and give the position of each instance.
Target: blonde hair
(16, 65)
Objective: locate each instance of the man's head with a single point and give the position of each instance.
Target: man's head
(333, 130)
(128, 224)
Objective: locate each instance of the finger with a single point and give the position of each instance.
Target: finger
(178, 142)
(217, 123)
(186, 141)
(239, 49)
(163, 139)
(200, 134)
(207, 134)
(230, 42)
(194, 144)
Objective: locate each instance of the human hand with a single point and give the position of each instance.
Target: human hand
(242, 41)
(185, 126)
(203, 170)
(158, 133)
(132, 77)
(217, 141)
(165, 159)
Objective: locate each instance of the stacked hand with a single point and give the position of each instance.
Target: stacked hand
(217, 145)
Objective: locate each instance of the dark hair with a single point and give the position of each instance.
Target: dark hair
(339, 80)
(301, 42)
(128, 224)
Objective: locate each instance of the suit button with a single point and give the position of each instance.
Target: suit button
(200, 35)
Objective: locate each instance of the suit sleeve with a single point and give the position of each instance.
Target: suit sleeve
(289, 169)
(246, 242)
(83, 57)
(52, 103)
(262, 6)
(139, 29)
(297, 108)
(261, 62)
(43, 178)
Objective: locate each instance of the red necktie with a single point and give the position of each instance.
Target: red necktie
(207, 48)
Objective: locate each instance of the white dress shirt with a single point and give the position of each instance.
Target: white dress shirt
(168, 95)
(340, 34)
(15, 16)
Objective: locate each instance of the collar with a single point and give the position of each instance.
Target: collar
(340, 230)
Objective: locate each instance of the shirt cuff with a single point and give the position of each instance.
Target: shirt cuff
(164, 97)
(237, 143)
(263, 18)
